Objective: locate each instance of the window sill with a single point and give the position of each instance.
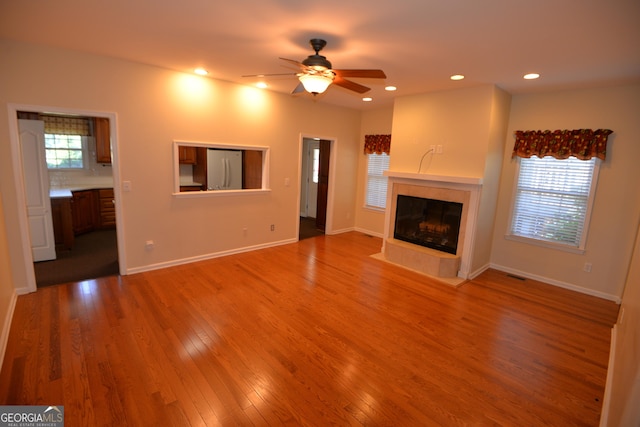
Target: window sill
(374, 209)
(545, 244)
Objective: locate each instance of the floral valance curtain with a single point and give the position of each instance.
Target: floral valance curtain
(60, 125)
(561, 144)
(377, 144)
(66, 125)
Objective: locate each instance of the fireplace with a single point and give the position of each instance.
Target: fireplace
(430, 224)
(427, 222)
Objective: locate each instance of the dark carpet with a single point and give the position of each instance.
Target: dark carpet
(308, 228)
(93, 255)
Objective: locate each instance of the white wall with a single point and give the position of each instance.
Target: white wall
(155, 106)
(617, 200)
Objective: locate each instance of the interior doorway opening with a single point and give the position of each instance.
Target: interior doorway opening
(314, 186)
(79, 191)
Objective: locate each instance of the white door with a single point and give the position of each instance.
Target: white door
(36, 187)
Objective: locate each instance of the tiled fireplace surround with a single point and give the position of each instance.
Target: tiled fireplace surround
(453, 269)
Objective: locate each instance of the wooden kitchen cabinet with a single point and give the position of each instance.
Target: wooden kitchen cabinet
(106, 208)
(103, 139)
(62, 221)
(187, 155)
(83, 211)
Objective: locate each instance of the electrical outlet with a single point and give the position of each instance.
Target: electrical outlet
(273, 227)
(149, 244)
(587, 267)
(245, 231)
(432, 148)
(439, 149)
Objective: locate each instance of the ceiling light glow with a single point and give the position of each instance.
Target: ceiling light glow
(390, 88)
(262, 85)
(201, 71)
(457, 77)
(367, 99)
(531, 76)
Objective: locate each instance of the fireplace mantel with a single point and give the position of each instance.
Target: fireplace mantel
(435, 178)
(462, 189)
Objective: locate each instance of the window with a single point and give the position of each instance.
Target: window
(316, 165)
(376, 196)
(553, 200)
(63, 151)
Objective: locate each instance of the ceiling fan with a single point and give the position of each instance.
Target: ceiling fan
(316, 73)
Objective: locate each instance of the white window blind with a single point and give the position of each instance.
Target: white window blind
(376, 196)
(553, 199)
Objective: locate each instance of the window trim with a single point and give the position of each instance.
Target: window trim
(581, 248)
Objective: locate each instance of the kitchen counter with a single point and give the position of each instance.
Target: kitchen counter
(60, 194)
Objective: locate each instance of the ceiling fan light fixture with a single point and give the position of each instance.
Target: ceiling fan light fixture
(315, 83)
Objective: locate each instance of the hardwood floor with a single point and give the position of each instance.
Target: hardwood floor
(314, 333)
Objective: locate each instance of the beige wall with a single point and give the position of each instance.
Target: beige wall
(155, 106)
(7, 289)
(498, 123)
(617, 201)
(620, 407)
(459, 120)
(374, 122)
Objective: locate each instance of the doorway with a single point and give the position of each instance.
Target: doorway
(314, 186)
(86, 246)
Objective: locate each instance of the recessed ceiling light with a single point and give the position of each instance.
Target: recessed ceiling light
(201, 71)
(531, 76)
(390, 88)
(262, 85)
(457, 77)
(367, 99)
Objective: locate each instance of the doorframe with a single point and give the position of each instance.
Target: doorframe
(16, 159)
(333, 141)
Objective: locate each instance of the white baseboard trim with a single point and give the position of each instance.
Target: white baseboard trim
(4, 335)
(369, 232)
(558, 283)
(342, 230)
(478, 271)
(189, 260)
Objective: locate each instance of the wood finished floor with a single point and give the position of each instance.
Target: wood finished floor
(314, 333)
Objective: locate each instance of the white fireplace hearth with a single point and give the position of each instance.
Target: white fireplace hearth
(453, 269)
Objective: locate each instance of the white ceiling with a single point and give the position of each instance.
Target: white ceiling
(418, 43)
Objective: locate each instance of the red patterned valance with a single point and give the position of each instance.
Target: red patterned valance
(377, 144)
(561, 144)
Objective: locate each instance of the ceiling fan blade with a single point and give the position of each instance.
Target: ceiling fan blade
(298, 89)
(348, 84)
(369, 74)
(296, 63)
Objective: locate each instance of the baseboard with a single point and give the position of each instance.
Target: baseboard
(557, 283)
(4, 335)
(204, 257)
(369, 232)
(475, 273)
(340, 231)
